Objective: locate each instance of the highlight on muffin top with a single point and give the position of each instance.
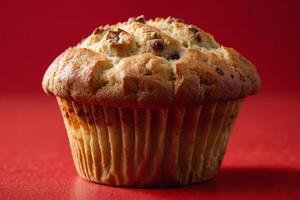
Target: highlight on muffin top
(156, 62)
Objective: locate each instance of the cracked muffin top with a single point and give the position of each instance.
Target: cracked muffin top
(158, 62)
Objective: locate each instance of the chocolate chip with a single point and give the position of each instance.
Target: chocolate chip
(174, 56)
(116, 38)
(197, 33)
(219, 71)
(173, 19)
(70, 110)
(232, 76)
(67, 115)
(198, 37)
(140, 19)
(194, 30)
(157, 44)
(114, 35)
(232, 116)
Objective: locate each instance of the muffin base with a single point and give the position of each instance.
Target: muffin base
(147, 147)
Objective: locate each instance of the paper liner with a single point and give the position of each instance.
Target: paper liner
(148, 147)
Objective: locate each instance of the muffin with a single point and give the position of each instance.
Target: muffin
(149, 102)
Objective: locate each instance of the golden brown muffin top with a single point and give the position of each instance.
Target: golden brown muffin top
(156, 62)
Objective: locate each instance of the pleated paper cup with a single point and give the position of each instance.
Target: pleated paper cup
(142, 147)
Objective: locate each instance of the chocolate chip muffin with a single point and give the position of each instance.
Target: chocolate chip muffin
(149, 102)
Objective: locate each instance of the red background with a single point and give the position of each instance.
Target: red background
(262, 160)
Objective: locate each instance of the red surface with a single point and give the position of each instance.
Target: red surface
(262, 160)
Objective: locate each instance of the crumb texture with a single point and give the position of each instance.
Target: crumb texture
(156, 62)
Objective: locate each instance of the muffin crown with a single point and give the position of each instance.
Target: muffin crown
(159, 62)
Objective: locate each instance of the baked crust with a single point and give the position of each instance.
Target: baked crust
(160, 62)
